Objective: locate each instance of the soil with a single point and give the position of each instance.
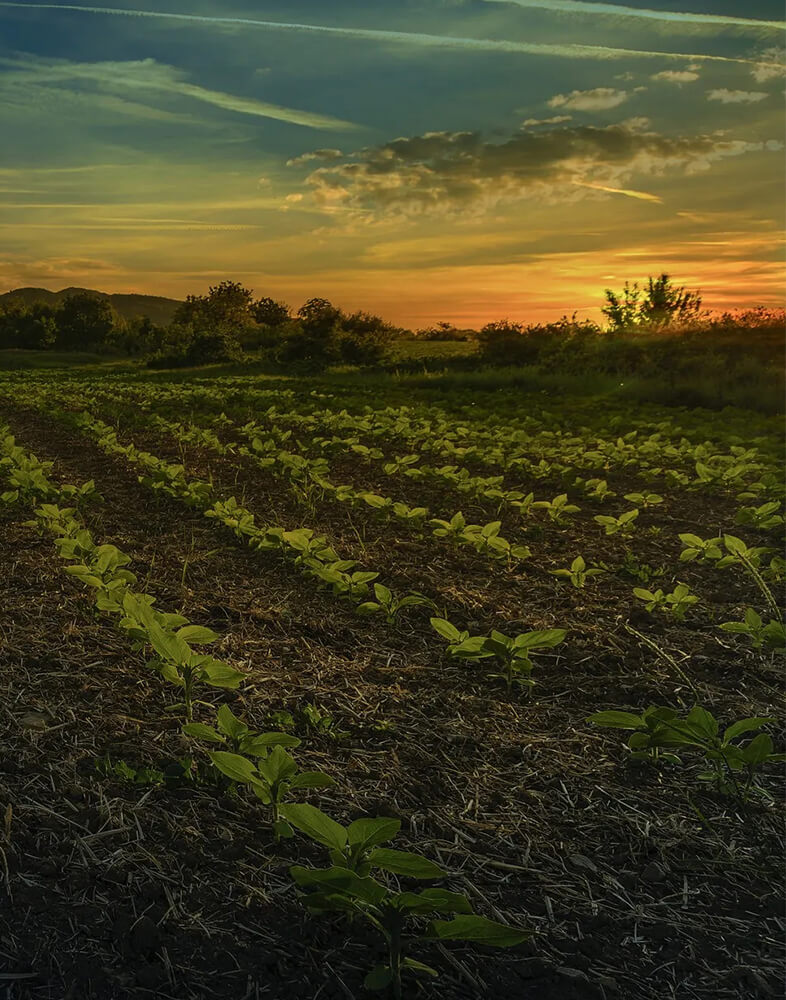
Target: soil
(639, 883)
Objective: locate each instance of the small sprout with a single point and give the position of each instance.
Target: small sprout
(622, 525)
(578, 574)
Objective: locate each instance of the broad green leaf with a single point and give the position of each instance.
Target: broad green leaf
(470, 927)
(234, 766)
(316, 824)
(312, 779)
(372, 832)
(746, 726)
(201, 732)
(758, 750)
(445, 629)
(197, 634)
(229, 724)
(405, 863)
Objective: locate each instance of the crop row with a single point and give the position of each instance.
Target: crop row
(257, 761)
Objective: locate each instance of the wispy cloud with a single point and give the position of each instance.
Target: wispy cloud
(554, 120)
(640, 195)
(677, 76)
(736, 96)
(147, 75)
(416, 39)
(597, 99)
(671, 16)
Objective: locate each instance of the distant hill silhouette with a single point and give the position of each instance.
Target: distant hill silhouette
(160, 310)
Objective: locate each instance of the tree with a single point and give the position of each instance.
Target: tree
(269, 312)
(85, 321)
(226, 307)
(319, 317)
(663, 304)
(32, 327)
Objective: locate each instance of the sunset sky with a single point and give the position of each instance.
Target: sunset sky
(464, 160)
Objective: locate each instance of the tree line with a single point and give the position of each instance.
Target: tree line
(229, 324)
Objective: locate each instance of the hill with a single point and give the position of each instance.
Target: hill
(159, 309)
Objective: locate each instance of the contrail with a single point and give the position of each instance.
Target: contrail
(570, 51)
(619, 10)
(641, 195)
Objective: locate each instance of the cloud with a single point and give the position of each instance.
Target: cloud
(146, 76)
(556, 120)
(639, 195)
(317, 154)
(678, 76)
(619, 10)
(736, 96)
(772, 64)
(598, 99)
(461, 172)
(408, 38)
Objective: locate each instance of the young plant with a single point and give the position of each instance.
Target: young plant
(272, 779)
(644, 499)
(578, 574)
(237, 736)
(357, 847)
(452, 530)
(598, 489)
(770, 636)
(175, 660)
(557, 509)
(676, 603)
(513, 654)
(765, 517)
(696, 549)
(659, 728)
(389, 605)
(622, 525)
(339, 890)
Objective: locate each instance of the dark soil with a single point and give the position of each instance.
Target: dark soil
(640, 883)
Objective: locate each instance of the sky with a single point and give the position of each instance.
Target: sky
(426, 160)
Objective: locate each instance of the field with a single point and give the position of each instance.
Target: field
(226, 597)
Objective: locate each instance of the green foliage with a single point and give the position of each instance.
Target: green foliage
(660, 734)
(771, 635)
(340, 890)
(676, 603)
(273, 777)
(512, 654)
(389, 605)
(622, 525)
(578, 574)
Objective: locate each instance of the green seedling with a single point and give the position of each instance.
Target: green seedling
(272, 779)
(524, 506)
(513, 654)
(557, 509)
(320, 722)
(644, 499)
(676, 603)
(733, 769)
(598, 489)
(578, 574)
(770, 636)
(696, 549)
(175, 660)
(452, 530)
(357, 847)
(640, 571)
(237, 736)
(389, 605)
(339, 890)
(622, 525)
